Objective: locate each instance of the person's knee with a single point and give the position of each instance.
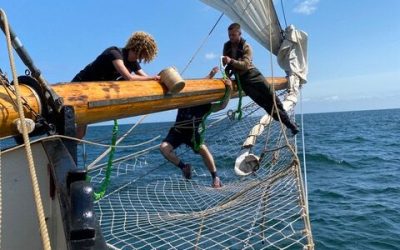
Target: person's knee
(203, 149)
(164, 147)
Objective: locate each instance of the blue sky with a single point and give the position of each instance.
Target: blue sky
(353, 52)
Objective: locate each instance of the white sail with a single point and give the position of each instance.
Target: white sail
(258, 18)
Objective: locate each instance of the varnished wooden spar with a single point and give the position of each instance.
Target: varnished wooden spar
(9, 112)
(102, 101)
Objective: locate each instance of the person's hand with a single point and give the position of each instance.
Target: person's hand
(213, 72)
(226, 60)
(156, 77)
(228, 82)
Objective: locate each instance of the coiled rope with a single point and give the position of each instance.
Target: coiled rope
(35, 186)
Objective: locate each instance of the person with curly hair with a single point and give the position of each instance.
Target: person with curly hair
(118, 63)
(115, 62)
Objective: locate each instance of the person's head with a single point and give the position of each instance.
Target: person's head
(143, 45)
(234, 33)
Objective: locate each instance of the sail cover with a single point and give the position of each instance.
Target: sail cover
(257, 17)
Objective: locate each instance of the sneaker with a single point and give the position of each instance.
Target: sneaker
(295, 129)
(187, 171)
(216, 183)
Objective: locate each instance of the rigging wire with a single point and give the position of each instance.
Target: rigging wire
(202, 44)
(293, 150)
(283, 12)
(304, 148)
(208, 36)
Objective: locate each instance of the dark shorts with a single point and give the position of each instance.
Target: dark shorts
(177, 137)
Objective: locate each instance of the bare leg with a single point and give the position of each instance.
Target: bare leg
(209, 161)
(168, 151)
(207, 158)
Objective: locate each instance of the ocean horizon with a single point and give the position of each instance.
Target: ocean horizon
(171, 119)
(352, 160)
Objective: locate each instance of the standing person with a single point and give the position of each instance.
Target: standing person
(238, 57)
(114, 63)
(185, 131)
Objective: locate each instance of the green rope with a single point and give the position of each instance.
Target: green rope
(197, 144)
(106, 181)
(202, 127)
(240, 90)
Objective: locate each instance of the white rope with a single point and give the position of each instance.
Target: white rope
(274, 95)
(304, 148)
(127, 157)
(35, 185)
(90, 166)
(304, 182)
(294, 153)
(82, 141)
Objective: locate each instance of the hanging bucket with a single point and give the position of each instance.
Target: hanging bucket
(248, 164)
(172, 80)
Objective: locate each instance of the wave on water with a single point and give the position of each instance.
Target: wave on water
(326, 160)
(353, 186)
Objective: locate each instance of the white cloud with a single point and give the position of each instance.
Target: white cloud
(306, 7)
(331, 98)
(210, 56)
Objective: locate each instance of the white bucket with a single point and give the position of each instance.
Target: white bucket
(248, 164)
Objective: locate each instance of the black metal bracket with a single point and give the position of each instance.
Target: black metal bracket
(82, 230)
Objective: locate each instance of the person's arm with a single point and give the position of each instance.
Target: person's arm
(220, 106)
(120, 67)
(141, 72)
(212, 72)
(245, 62)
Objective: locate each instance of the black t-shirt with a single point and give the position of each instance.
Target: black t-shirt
(102, 69)
(187, 116)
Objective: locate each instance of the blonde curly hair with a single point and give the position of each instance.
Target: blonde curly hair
(144, 46)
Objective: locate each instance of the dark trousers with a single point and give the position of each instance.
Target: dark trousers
(253, 83)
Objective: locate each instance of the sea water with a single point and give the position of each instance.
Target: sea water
(353, 170)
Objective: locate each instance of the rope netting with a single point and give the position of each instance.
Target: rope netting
(149, 205)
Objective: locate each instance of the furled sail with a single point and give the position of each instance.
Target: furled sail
(258, 18)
